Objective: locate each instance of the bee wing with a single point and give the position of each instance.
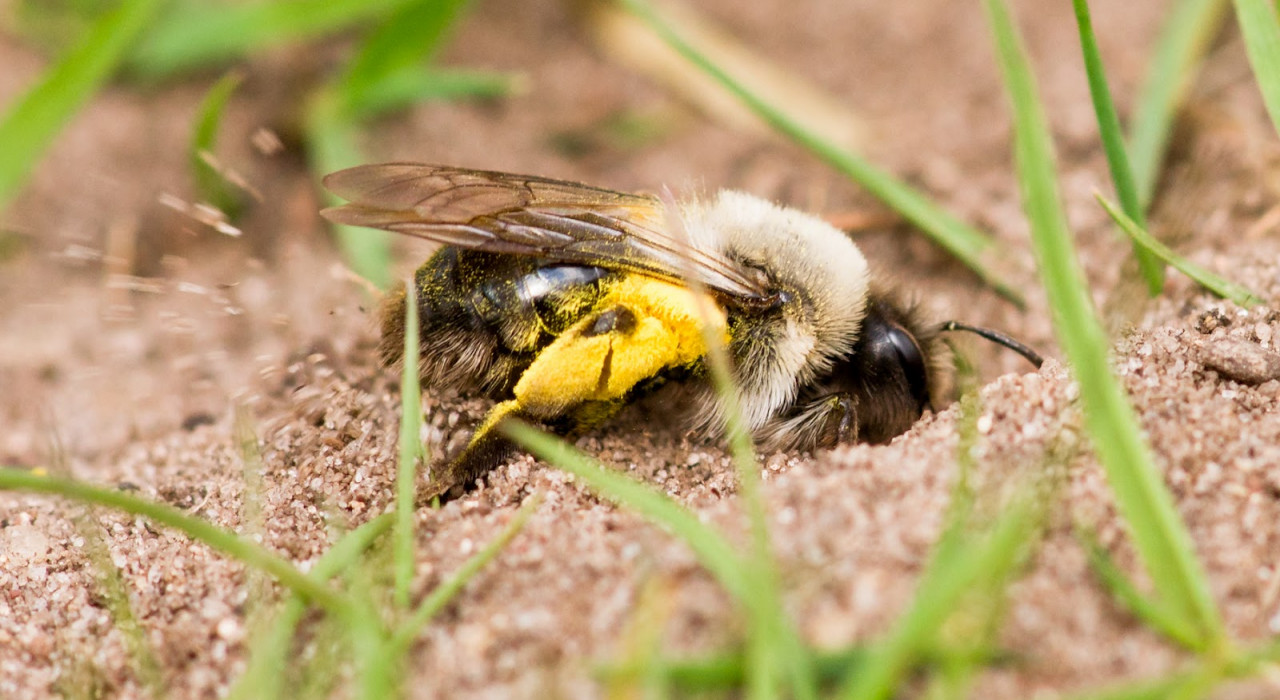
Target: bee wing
(529, 215)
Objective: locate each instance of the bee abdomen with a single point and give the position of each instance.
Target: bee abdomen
(484, 316)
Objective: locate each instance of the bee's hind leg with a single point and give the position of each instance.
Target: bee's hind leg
(487, 449)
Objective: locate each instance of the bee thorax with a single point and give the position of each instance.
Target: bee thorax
(820, 282)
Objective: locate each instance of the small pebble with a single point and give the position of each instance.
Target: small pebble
(1263, 332)
(1241, 360)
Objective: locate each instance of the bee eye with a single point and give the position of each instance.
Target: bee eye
(912, 360)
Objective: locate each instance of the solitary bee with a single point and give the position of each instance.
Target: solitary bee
(565, 301)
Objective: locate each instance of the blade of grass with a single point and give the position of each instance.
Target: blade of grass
(51, 26)
(955, 670)
(768, 623)
(415, 84)
(269, 655)
(1166, 688)
(410, 450)
(715, 552)
(30, 125)
(1183, 41)
(1261, 30)
(966, 243)
(331, 143)
(325, 664)
(114, 594)
(643, 673)
(411, 31)
(246, 551)
(1237, 293)
(773, 644)
(956, 553)
(371, 588)
(375, 676)
(1160, 536)
(1113, 144)
(1195, 681)
(728, 671)
(741, 578)
(959, 562)
(112, 588)
(209, 182)
(404, 41)
(405, 635)
(257, 586)
(1130, 597)
(199, 35)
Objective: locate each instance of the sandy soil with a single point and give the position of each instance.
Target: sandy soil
(133, 334)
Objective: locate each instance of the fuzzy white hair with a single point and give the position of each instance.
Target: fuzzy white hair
(800, 253)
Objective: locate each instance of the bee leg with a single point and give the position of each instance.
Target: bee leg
(488, 447)
(827, 422)
(847, 425)
(577, 382)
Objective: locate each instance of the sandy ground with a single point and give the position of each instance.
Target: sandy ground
(133, 334)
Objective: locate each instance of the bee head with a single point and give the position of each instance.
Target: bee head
(890, 374)
(901, 359)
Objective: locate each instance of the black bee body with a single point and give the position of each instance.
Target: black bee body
(564, 301)
(485, 316)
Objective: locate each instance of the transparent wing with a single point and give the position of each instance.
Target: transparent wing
(529, 215)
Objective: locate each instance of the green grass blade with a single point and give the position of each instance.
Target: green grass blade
(1237, 293)
(246, 551)
(1168, 688)
(772, 640)
(410, 450)
(1131, 598)
(772, 644)
(200, 35)
(1183, 41)
(111, 588)
(331, 143)
(51, 26)
(958, 564)
(263, 679)
(324, 667)
(1113, 144)
(210, 183)
(447, 591)
(113, 595)
(1261, 30)
(415, 84)
(1194, 682)
(31, 124)
(375, 675)
(643, 672)
(404, 41)
(966, 243)
(715, 552)
(1160, 536)
(729, 671)
(256, 584)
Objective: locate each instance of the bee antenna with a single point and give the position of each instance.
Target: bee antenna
(998, 338)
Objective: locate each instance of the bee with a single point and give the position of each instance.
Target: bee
(564, 301)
